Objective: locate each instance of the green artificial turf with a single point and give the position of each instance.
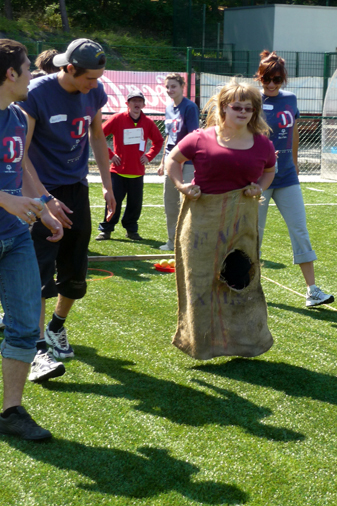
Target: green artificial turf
(137, 422)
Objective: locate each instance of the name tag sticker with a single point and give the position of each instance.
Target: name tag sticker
(58, 118)
(142, 146)
(132, 136)
(268, 107)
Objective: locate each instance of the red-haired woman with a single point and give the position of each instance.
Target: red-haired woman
(280, 108)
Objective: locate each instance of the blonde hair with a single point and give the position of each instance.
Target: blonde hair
(176, 77)
(231, 92)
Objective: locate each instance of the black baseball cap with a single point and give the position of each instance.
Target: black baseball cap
(84, 53)
(135, 94)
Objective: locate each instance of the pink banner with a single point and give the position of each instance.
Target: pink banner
(119, 83)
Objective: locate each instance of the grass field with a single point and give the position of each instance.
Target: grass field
(137, 422)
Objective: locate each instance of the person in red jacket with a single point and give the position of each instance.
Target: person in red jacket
(130, 130)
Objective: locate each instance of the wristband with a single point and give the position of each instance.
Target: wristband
(46, 198)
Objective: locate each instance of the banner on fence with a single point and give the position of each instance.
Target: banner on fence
(118, 84)
(308, 90)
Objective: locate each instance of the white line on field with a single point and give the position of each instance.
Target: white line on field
(145, 205)
(272, 205)
(325, 204)
(315, 190)
(294, 291)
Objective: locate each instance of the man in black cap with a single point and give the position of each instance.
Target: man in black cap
(64, 112)
(131, 131)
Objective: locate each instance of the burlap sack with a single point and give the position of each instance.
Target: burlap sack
(217, 246)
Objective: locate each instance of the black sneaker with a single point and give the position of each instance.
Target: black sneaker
(134, 236)
(22, 424)
(103, 236)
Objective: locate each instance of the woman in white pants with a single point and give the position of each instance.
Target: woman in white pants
(181, 118)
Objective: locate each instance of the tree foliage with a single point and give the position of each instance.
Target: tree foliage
(150, 16)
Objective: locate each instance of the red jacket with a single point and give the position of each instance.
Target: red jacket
(130, 154)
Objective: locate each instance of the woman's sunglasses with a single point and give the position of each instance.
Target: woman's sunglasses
(238, 108)
(275, 79)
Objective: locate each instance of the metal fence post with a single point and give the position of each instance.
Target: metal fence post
(189, 70)
(326, 72)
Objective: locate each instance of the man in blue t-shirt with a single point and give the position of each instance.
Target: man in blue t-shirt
(63, 110)
(20, 285)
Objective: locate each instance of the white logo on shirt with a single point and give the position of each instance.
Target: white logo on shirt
(58, 118)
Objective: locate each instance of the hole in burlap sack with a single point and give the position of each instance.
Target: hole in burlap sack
(237, 270)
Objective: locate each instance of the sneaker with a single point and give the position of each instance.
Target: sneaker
(316, 297)
(166, 247)
(45, 367)
(22, 424)
(59, 343)
(103, 236)
(134, 236)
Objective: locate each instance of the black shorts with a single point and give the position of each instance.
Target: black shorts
(68, 258)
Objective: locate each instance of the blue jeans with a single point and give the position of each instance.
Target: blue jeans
(20, 294)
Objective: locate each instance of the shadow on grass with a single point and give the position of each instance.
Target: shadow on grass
(133, 271)
(268, 264)
(152, 243)
(150, 472)
(290, 379)
(178, 403)
(316, 312)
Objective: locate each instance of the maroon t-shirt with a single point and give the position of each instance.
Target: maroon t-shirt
(219, 169)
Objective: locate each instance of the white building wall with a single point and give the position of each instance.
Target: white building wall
(281, 28)
(305, 28)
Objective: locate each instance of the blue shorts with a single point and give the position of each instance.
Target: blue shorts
(20, 293)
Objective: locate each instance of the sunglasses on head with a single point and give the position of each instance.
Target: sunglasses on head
(275, 79)
(238, 108)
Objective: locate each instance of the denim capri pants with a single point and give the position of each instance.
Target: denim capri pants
(289, 201)
(20, 293)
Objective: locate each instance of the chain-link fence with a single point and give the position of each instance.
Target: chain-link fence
(196, 25)
(310, 150)
(329, 147)
(309, 154)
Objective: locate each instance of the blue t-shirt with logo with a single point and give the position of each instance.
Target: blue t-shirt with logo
(180, 120)
(281, 112)
(13, 128)
(59, 149)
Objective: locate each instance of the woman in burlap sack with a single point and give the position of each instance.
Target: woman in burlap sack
(222, 310)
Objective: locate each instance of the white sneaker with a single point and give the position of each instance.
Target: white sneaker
(317, 297)
(45, 367)
(166, 247)
(59, 343)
